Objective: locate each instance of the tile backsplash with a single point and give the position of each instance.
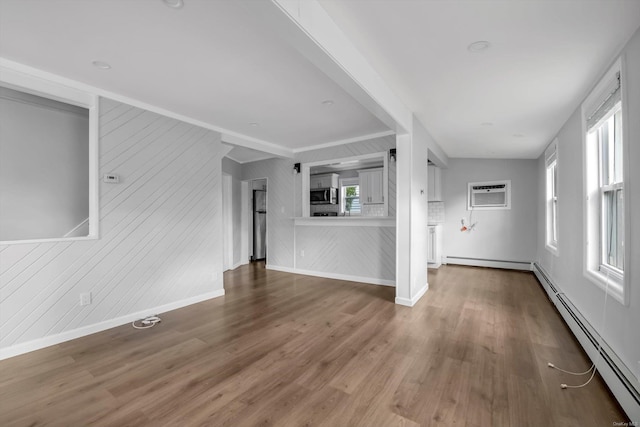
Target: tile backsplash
(436, 212)
(373, 210)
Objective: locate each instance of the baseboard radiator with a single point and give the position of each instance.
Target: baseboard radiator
(621, 381)
(485, 262)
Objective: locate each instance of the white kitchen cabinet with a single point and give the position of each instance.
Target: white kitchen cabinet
(434, 189)
(327, 180)
(371, 186)
(434, 246)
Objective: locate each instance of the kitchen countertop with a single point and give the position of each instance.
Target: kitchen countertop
(351, 221)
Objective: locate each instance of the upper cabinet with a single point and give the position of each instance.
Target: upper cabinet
(434, 191)
(327, 180)
(371, 186)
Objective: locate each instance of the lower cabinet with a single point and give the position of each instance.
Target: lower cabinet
(434, 246)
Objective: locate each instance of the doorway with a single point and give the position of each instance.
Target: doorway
(256, 219)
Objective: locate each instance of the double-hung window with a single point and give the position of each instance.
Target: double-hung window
(611, 191)
(350, 196)
(551, 162)
(604, 185)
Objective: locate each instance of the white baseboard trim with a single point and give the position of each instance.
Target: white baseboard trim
(619, 378)
(492, 263)
(280, 268)
(326, 275)
(238, 264)
(411, 302)
(37, 344)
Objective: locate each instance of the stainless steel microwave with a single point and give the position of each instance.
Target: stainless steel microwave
(324, 196)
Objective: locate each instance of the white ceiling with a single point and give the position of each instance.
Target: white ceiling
(213, 61)
(245, 155)
(218, 62)
(544, 58)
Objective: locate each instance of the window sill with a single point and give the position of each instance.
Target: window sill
(613, 286)
(552, 249)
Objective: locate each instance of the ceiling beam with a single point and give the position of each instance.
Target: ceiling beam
(307, 27)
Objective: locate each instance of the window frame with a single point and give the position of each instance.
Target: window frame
(611, 280)
(551, 197)
(41, 85)
(348, 182)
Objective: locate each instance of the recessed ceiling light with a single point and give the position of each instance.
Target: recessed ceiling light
(479, 46)
(176, 4)
(486, 124)
(327, 102)
(253, 124)
(102, 65)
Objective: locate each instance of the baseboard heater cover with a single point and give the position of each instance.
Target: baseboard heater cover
(486, 262)
(622, 374)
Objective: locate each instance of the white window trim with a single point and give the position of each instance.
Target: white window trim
(551, 158)
(550, 244)
(306, 169)
(41, 86)
(609, 280)
(348, 182)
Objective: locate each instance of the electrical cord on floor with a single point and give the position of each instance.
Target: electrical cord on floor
(593, 368)
(146, 323)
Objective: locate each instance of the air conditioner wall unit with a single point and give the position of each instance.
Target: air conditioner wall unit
(489, 195)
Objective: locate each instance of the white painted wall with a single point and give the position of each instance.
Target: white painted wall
(505, 235)
(566, 269)
(160, 243)
(234, 169)
(44, 169)
(279, 180)
(227, 222)
(411, 253)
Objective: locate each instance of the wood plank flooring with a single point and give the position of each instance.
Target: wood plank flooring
(288, 350)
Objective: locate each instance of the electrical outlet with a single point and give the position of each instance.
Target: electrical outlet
(214, 276)
(85, 298)
(302, 253)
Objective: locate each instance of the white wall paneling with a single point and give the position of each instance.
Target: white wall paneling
(284, 198)
(160, 239)
(344, 250)
(367, 252)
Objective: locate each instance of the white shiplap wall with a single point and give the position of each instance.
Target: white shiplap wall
(159, 242)
(361, 253)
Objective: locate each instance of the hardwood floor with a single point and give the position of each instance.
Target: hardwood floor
(287, 350)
